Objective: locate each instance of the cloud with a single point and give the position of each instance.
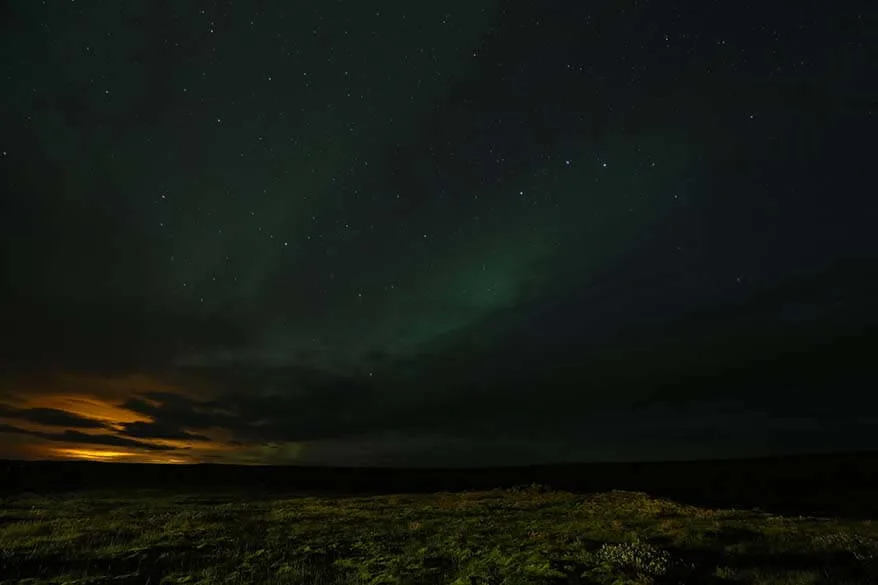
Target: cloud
(71, 436)
(176, 412)
(265, 404)
(147, 430)
(50, 417)
(545, 368)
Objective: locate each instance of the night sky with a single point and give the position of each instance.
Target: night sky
(455, 233)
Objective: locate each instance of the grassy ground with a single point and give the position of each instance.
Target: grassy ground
(516, 536)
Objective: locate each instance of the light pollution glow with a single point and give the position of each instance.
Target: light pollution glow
(102, 403)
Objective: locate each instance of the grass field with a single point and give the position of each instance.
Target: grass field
(529, 535)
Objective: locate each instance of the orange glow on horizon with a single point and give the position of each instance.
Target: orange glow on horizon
(94, 454)
(107, 455)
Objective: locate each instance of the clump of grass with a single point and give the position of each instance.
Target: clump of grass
(640, 558)
(861, 547)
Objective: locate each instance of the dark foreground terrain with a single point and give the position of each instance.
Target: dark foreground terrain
(80, 523)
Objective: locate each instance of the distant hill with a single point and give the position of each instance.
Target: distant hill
(839, 484)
